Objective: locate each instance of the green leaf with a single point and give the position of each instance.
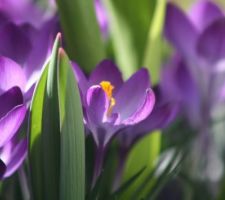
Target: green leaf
(143, 154)
(35, 145)
(103, 187)
(82, 34)
(153, 50)
(129, 22)
(118, 193)
(50, 128)
(72, 156)
(44, 142)
(171, 169)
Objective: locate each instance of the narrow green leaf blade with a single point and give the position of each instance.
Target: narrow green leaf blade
(129, 23)
(72, 162)
(153, 50)
(126, 185)
(82, 34)
(143, 154)
(35, 145)
(50, 128)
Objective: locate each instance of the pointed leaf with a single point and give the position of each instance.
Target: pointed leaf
(143, 154)
(72, 161)
(45, 133)
(35, 145)
(50, 128)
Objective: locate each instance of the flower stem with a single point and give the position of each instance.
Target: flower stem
(24, 184)
(120, 169)
(99, 160)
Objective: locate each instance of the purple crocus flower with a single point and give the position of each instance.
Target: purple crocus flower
(195, 75)
(111, 105)
(25, 40)
(12, 114)
(25, 45)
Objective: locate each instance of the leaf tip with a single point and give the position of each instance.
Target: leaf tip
(61, 52)
(59, 38)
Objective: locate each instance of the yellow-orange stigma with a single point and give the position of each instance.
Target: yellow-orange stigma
(108, 89)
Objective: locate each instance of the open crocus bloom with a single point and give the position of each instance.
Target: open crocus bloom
(12, 114)
(110, 104)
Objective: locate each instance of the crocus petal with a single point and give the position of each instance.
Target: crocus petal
(17, 156)
(6, 150)
(10, 123)
(11, 74)
(161, 116)
(3, 18)
(30, 84)
(107, 71)
(132, 93)
(81, 79)
(179, 30)
(204, 13)
(98, 104)
(22, 11)
(143, 111)
(41, 47)
(179, 86)
(177, 80)
(211, 43)
(10, 99)
(2, 168)
(15, 43)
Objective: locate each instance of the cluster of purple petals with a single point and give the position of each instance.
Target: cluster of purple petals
(26, 34)
(134, 114)
(194, 76)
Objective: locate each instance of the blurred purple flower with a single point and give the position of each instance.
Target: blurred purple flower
(102, 17)
(12, 114)
(25, 11)
(195, 75)
(26, 38)
(111, 105)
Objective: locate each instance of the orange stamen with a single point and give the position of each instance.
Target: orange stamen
(108, 89)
